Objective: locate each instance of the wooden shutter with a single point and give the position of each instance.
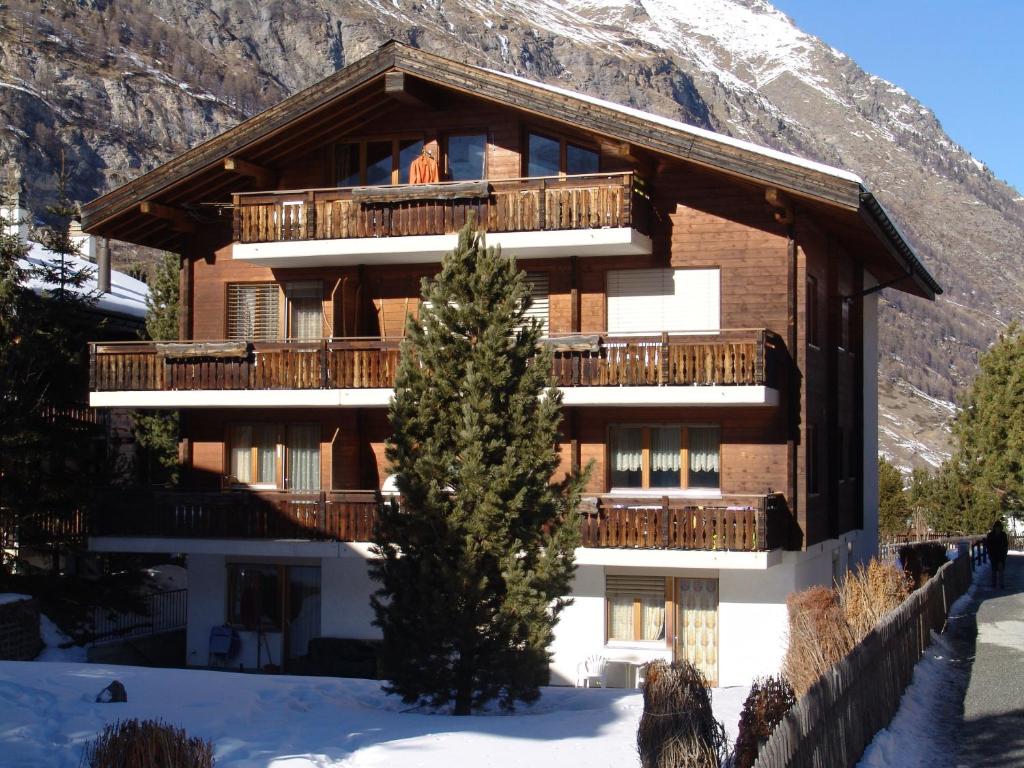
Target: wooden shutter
(252, 311)
(539, 309)
(635, 586)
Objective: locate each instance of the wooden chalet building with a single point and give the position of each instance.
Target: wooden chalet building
(711, 303)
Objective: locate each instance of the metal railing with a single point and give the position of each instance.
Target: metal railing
(164, 612)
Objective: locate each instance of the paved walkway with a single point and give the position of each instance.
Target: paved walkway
(992, 734)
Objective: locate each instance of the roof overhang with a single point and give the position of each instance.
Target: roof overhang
(132, 212)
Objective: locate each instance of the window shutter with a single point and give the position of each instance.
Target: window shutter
(670, 300)
(635, 586)
(252, 311)
(538, 282)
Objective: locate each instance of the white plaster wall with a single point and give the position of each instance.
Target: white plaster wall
(207, 600)
(752, 623)
(345, 588)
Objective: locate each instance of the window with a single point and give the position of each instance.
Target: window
(255, 455)
(253, 450)
(376, 163)
(656, 300)
(636, 608)
(648, 457)
(305, 310)
(538, 282)
(252, 311)
(254, 596)
(812, 311)
(549, 156)
(466, 157)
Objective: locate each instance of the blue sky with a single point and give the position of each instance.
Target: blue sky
(963, 60)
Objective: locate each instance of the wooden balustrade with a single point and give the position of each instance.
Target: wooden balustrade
(739, 524)
(725, 359)
(589, 201)
(240, 514)
(733, 523)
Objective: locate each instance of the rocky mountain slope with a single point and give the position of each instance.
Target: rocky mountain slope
(126, 84)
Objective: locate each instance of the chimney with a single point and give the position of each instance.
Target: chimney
(86, 243)
(13, 212)
(103, 266)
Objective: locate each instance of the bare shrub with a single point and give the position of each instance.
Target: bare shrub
(922, 560)
(146, 744)
(769, 700)
(869, 593)
(678, 727)
(818, 636)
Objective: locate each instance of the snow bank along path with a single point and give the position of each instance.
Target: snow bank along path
(48, 712)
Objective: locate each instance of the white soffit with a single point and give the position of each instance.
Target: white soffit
(425, 249)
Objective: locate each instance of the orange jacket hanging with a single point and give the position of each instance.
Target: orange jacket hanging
(423, 170)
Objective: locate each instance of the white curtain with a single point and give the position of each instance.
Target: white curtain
(652, 618)
(627, 450)
(265, 436)
(241, 453)
(304, 457)
(704, 442)
(306, 320)
(665, 449)
(620, 617)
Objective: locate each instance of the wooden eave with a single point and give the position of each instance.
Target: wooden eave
(274, 129)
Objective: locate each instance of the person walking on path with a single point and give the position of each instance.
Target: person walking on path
(997, 545)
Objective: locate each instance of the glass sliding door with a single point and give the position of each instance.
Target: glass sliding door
(303, 612)
(697, 625)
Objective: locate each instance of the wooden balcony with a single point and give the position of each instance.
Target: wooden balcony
(540, 204)
(728, 358)
(732, 523)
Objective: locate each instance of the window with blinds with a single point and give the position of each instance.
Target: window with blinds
(539, 308)
(670, 300)
(252, 311)
(636, 607)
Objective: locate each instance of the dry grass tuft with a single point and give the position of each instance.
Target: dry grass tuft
(819, 636)
(678, 727)
(769, 700)
(146, 744)
(870, 593)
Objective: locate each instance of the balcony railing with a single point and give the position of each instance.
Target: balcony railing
(732, 523)
(538, 204)
(725, 358)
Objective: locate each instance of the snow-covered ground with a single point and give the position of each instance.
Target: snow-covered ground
(48, 713)
(920, 735)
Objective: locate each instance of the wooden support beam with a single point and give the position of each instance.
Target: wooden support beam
(781, 202)
(264, 177)
(178, 219)
(408, 91)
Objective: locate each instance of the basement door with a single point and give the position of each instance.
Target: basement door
(696, 637)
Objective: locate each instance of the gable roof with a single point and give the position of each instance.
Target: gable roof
(201, 168)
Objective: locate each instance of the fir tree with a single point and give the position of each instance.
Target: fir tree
(475, 564)
(158, 431)
(990, 433)
(892, 500)
(48, 457)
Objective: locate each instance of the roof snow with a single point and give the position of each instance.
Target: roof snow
(127, 296)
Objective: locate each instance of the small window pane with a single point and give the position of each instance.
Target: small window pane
(466, 157)
(704, 457)
(543, 156)
(255, 596)
(408, 150)
(378, 163)
(580, 160)
(241, 453)
(665, 465)
(347, 172)
(620, 617)
(627, 457)
(652, 618)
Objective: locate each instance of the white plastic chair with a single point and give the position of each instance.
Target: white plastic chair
(592, 670)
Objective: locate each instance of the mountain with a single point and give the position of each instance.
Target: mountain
(127, 84)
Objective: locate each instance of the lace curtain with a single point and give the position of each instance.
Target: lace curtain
(304, 457)
(627, 449)
(665, 449)
(697, 626)
(704, 442)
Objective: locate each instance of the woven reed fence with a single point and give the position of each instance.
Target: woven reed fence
(832, 724)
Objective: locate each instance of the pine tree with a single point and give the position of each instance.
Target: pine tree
(48, 457)
(475, 564)
(892, 500)
(990, 432)
(158, 431)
